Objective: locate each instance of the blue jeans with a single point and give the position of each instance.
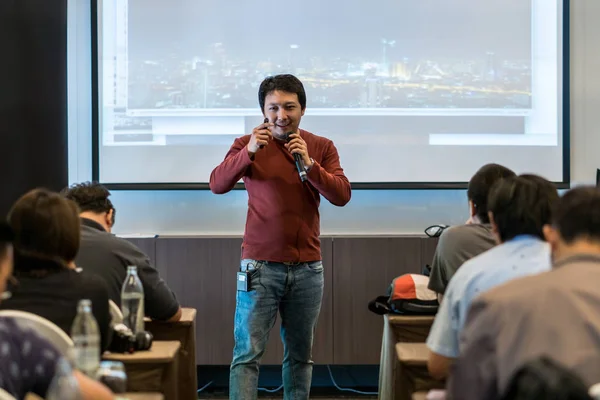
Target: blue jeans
(296, 291)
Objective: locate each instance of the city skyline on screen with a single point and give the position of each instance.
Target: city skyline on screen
(190, 54)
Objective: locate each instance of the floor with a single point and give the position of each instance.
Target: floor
(317, 394)
(312, 397)
(214, 381)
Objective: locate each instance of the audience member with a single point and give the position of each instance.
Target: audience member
(27, 361)
(554, 314)
(46, 227)
(518, 207)
(460, 243)
(108, 256)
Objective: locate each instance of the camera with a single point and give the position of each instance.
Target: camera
(124, 341)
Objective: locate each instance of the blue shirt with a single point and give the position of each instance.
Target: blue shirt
(524, 255)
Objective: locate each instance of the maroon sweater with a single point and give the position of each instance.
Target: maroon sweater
(282, 224)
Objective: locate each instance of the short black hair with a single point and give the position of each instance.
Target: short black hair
(89, 196)
(577, 214)
(285, 83)
(480, 185)
(522, 205)
(7, 237)
(544, 378)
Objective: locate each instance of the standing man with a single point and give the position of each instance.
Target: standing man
(281, 253)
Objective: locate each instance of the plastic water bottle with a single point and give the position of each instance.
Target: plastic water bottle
(86, 337)
(64, 386)
(132, 301)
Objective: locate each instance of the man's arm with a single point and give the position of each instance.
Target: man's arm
(91, 389)
(442, 340)
(437, 276)
(160, 302)
(329, 179)
(474, 374)
(443, 264)
(224, 177)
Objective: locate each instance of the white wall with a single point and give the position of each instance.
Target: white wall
(369, 212)
(585, 90)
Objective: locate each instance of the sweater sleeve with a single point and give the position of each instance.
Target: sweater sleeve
(224, 177)
(329, 179)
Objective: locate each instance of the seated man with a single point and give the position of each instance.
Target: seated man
(108, 256)
(460, 243)
(23, 371)
(554, 314)
(519, 207)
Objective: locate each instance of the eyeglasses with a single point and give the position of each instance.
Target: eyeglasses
(435, 230)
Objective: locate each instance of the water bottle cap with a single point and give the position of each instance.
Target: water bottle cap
(85, 303)
(131, 268)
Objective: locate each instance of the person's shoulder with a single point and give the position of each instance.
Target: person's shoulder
(91, 283)
(455, 234)
(479, 266)
(126, 245)
(7, 325)
(483, 260)
(469, 230)
(466, 275)
(516, 292)
(310, 137)
(89, 233)
(93, 237)
(242, 140)
(122, 248)
(18, 331)
(458, 235)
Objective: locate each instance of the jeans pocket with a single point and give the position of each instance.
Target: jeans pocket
(315, 266)
(252, 266)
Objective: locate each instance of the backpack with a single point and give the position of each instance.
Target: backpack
(407, 294)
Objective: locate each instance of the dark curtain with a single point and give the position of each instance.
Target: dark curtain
(33, 97)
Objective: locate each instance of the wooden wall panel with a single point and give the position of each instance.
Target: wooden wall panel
(201, 272)
(428, 246)
(363, 269)
(323, 340)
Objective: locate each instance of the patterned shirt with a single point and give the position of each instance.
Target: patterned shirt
(27, 361)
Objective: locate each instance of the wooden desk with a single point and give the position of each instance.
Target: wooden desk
(398, 328)
(414, 354)
(154, 370)
(141, 396)
(123, 396)
(433, 395)
(183, 331)
(412, 375)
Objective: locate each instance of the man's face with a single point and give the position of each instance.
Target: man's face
(283, 109)
(6, 267)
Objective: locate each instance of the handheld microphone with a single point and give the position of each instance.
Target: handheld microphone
(262, 146)
(299, 162)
